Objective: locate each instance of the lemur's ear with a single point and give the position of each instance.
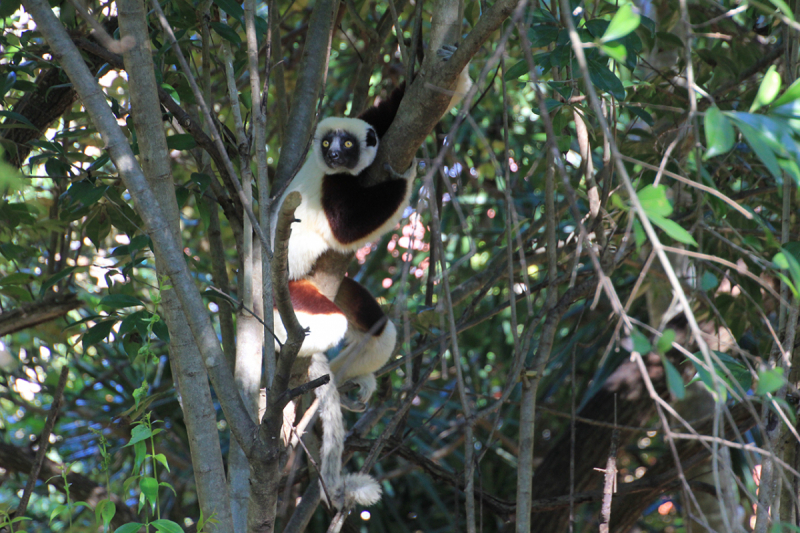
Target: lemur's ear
(372, 137)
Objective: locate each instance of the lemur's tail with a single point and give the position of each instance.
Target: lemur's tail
(359, 488)
(362, 488)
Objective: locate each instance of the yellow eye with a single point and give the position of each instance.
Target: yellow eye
(325, 144)
(348, 144)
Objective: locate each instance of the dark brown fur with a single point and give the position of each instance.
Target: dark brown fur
(359, 306)
(382, 115)
(353, 211)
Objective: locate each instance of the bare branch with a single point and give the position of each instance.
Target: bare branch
(44, 441)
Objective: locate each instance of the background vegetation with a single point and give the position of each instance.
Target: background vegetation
(617, 222)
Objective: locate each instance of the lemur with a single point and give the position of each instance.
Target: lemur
(338, 213)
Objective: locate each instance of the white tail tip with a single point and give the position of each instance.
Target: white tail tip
(362, 488)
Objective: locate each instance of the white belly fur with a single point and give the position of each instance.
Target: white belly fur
(312, 236)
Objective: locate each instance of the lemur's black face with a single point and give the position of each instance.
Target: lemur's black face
(340, 149)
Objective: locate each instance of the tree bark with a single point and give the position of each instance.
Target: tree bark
(187, 369)
(53, 306)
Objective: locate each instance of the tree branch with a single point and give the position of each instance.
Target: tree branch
(428, 96)
(301, 122)
(44, 441)
(53, 306)
(65, 52)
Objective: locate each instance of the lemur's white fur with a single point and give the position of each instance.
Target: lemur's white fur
(347, 488)
(357, 128)
(323, 331)
(312, 236)
(365, 353)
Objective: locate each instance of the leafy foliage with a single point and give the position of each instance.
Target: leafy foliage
(68, 227)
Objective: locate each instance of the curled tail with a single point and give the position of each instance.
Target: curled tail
(359, 488)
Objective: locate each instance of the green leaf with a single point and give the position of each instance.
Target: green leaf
(172, 92)
(149, 487)
(139, 433)
(786, 260)
(161, 331)
(760, 146)
(161, 458)
(784, 8)
(518, 70)
(118, 301)
(625, 20)
(139, 454)
(97, 333)
(58, 276)
(19, 118)
(104, 512)
(541, 35)
(640, 342)
(168, 486)
(8, 7)
(202, 180)
(654, 200)
(739, 372)
(133, 527)
(790, 95)
(57, 511)
(649, 24)
(673, 229)
(638, 233)
(605, 80)
(166, 526)
(83, 194)
(709, 281)
(768, 90)
(181, 141)
(18, 278)
(232, 8)
(226, 32)
(674, 379)
(98, 227)
(138, 320)
(769, 381)
(720, 135)
(664, 342)
(642, 114)
(615, 51)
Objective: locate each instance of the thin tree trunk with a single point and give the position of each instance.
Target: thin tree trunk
(187, 369)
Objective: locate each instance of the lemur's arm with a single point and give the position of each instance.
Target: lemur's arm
(382, 115)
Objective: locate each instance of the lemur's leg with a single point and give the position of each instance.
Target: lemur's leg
(326, 325)
(325, 322)
(370, 338)
(464, 82)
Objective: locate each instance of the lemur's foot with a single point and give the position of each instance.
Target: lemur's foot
(353, 405)
(446, 51)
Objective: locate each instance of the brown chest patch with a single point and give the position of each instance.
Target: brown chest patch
(306, 298)
(353, 211)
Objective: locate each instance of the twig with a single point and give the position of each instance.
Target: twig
(44, 441)
(238, 304)
(99, 32)
(290, 394)
(248, 208)
(610, 484)
(308, 453)
(283, 302)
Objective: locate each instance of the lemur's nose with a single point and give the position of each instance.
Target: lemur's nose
(334, 155)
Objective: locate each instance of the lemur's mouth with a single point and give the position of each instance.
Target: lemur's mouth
(336, 160)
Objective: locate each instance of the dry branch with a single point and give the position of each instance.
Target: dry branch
(53, 306)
